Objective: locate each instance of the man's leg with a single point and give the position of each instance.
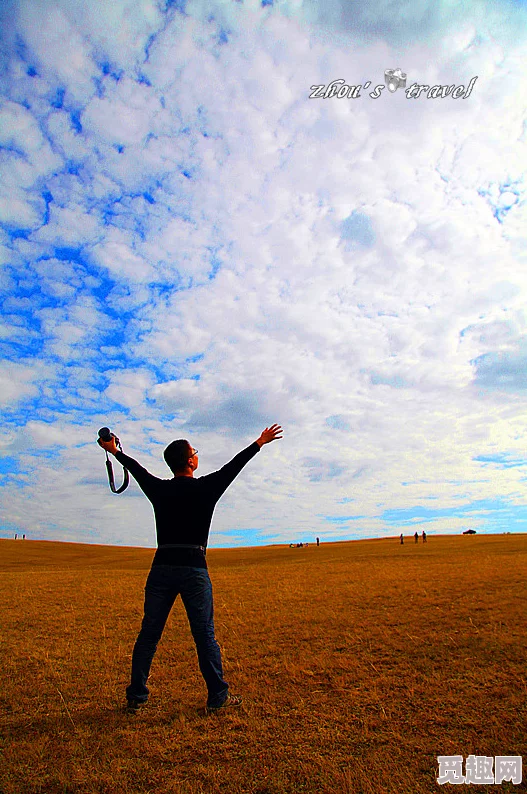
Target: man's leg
(196, 592)
(160, 595)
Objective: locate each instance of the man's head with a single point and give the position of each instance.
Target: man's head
(181, 458)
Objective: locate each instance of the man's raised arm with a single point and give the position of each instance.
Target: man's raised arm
(224, 476)
(144, 479)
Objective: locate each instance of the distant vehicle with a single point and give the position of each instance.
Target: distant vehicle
(469, 532)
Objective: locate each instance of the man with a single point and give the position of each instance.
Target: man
(183, 508)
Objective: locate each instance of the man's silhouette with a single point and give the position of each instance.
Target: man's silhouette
(183, 508)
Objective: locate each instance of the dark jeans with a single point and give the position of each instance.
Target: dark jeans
(164, 584)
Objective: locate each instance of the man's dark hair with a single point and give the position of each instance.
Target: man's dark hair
(177, 455)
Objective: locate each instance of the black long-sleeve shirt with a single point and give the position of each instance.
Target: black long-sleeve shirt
(183, 506)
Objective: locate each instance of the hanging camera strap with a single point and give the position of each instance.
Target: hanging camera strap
(109, 469)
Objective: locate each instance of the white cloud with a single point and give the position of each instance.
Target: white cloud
(28, 157)
(16, 211)
(17, 382)
(61, 131)
(20, 132)
(116, 253)
(58, 44)
(129, 388)
(72, 333)
(125, 116)
(68, 226)
(117, 32)
(182, 246)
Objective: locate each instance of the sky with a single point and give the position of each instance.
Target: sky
(192, 247)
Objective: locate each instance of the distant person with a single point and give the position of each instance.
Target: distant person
(424, 536)
(318, 542)
(401, 538)
(416, 537)
(183, 508)
(23, 537)
(16, 536)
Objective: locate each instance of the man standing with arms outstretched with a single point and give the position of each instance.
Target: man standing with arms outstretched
(183, 508)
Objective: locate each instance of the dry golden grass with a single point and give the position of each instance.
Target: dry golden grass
(359, 664)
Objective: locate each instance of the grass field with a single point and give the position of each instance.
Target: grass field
(359, 664)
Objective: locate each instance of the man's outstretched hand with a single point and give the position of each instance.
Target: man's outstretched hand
(269, 434)
(109, 446)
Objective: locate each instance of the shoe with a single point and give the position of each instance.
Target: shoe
(133, 706)
(230, 700)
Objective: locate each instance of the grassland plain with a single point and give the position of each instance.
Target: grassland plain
(359, 664)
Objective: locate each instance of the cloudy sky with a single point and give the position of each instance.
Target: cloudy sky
(192, 247)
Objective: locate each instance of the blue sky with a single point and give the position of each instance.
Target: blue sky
(191, 247)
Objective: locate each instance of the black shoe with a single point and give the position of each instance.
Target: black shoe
(230, 700)
(133, 706)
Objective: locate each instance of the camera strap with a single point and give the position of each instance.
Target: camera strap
(109, 469)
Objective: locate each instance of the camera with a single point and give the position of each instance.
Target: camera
(106, 435)
(394, 79)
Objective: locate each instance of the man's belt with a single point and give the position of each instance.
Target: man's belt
(182, 546)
